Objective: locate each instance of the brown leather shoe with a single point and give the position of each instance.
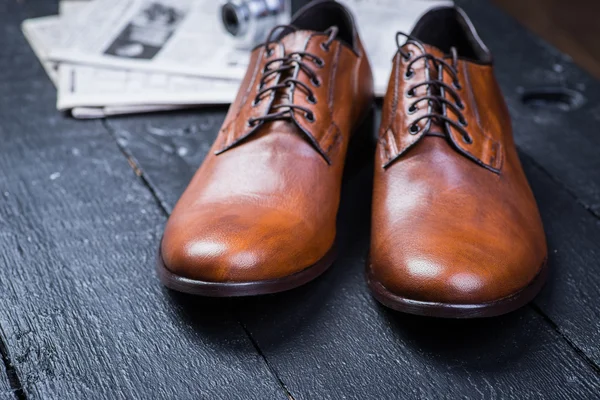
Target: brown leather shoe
(455, 229)
(259, 216)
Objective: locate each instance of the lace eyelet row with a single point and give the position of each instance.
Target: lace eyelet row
(317, 61)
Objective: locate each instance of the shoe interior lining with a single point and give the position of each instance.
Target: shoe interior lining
(320, 17)
(445, 28)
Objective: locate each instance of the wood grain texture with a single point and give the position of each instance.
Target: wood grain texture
(565, 146)
(83, 318)
(330, 340)
(83, 315)
(564, 143)
(572, 297)
(388, 355)
(6, 392)
(356, 348)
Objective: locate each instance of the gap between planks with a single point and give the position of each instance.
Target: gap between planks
(11, 372)
(165, 210)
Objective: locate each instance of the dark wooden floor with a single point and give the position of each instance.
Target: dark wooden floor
(82, 208)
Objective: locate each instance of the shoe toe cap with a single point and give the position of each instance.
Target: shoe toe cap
(431, 272)
(245, 246)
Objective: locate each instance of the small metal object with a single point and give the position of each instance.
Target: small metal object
(250, 21)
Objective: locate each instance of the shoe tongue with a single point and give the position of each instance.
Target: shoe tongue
(294, 41)
(435, 128)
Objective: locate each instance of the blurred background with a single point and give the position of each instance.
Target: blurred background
(572, 26)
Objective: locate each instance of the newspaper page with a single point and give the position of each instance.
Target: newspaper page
(89, 86)
(172, 36)
(95, 92)
(187, 37)
(43, 35)
(71, 7)
(102, 112)
(47, 34)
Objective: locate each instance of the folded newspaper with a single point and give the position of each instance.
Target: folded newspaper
(110, 57)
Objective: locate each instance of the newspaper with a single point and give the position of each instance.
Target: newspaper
(154, 55)
(81, 85)
(171, 36)
(44, 34)
(71, 7)
(101, 112)
(190, 39)
(95, 92)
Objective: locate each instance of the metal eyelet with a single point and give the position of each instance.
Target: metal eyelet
(255, 102)
(467, 139)
(456, 85)
(410, 93)
(310, 116)
(319, 62)
(269, 52)
(414, 129)
(408, 56)
(311, 99)
(315, 81)
(324, 46)
(412, 109)
(460, 105)
(250, 123)
(409, 74)
(463, 121)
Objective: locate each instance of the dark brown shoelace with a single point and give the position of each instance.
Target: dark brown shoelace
(291, 64)
(435, 86)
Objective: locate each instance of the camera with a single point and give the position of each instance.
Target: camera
(249, 21)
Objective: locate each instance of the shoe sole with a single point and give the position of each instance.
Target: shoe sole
(450, 310)
(237, 289)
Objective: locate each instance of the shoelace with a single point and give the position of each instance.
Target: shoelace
(290, 62)
(436, 85)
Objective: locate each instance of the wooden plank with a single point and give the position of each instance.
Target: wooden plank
(83, 315)
(6, 392)
(344, 343)
(564, 143)
(572, 298)
(389, 355)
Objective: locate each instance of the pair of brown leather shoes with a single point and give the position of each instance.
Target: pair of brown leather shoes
(455, 229)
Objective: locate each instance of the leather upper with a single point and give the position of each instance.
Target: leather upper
(263, 204)
(453, 218)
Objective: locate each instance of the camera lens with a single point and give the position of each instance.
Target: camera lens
(231, 21)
